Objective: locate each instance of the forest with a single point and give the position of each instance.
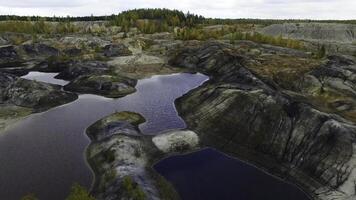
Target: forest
(186, 26)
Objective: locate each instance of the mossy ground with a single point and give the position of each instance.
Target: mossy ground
(10, 114)
(327, 101)
(131, 189)
(131, 117)
(285, 70)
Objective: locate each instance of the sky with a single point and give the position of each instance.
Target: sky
(271, 9)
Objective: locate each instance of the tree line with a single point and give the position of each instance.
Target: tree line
(155, 20)
(54, 18)
(171, 17)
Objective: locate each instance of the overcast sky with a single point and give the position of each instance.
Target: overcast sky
(311, 9)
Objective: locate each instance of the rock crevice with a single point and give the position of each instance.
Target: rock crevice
(238, 113)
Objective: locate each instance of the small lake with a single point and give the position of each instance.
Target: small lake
(210, 175)
(45, 77)
(43, 154)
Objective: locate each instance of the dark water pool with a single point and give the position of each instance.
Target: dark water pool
(211, 175)
(43, 154)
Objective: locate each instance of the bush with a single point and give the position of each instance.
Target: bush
(321, 52)
(200, 34)
(79, 193)
(65, 28)
(109, 176)
(265, 39)
(109, 155)
(29, 197)
(38, 27)
(132, 189)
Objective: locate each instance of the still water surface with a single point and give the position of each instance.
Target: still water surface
(210, 175)
(43, 154)
(45, 77)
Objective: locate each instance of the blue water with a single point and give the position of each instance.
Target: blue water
(211, 175)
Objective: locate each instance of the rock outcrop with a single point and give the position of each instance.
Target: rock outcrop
(176, 141)
(314, 31)
(40, 50)
(121, 158)
(10, 114)
(122, 122)
(331, 87)
(72, 70)
(140, 66)
(32, 94)
(335, 37)
(114, 50)
(8, 56)
(239, 113)
(112, 86)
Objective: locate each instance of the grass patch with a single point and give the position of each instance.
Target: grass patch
(285, 70)
(265, 39)
(38, 27)
(132, 189)
(11, 112)
(325, 100)
(109, 155)
(109, 176)
(29, 197)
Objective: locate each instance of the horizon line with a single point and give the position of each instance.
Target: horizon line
(109, 15)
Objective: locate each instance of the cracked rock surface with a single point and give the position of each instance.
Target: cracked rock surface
(239, 113)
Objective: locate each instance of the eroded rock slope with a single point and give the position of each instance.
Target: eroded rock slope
(252, 118)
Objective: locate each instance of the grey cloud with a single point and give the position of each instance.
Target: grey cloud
(43, 3)
(312, 9)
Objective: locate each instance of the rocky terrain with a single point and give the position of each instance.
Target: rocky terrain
(121, 157)
(281, 109)
(109, 66)
(253, 117)
(337, 38)
(20, 97)
(315, 31)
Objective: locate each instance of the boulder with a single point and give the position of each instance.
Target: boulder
(118, 123)
(3, 41)
(39, 49)
(114, 50)
(111, 86)
(84, 41)
(32, 94)
(52, 65)
(75, 69)
(176, 141)
(73, 51)
(8, 56)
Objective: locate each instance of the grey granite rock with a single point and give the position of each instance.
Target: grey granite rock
(240, 114)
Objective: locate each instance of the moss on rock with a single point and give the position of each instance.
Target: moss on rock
(112, 86)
